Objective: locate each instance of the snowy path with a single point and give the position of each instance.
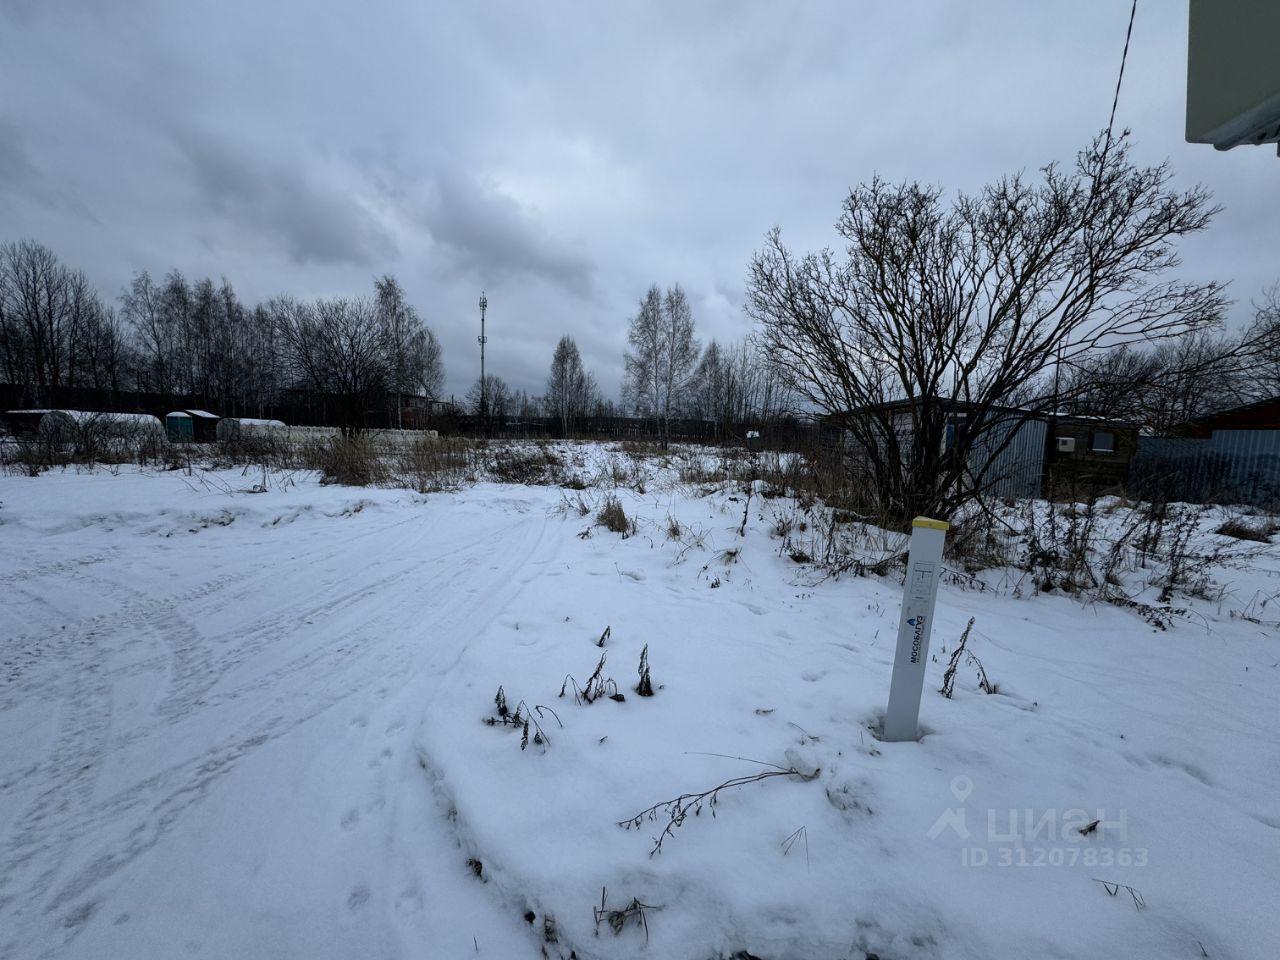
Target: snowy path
(214, 755)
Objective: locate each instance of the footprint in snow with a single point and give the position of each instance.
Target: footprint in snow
(411, 899)
(358, 897)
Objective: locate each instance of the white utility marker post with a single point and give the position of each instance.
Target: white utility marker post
(924, 566)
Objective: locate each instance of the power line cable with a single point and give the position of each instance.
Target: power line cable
(1115, 100)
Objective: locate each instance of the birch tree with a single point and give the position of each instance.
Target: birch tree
(571, 390)
(415, 358)
(662, 358)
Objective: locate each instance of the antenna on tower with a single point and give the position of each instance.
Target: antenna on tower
(482, 339)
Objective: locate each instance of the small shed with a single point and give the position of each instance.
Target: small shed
(1088, 456)
(191, 426)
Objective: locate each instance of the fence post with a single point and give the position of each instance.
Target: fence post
(919, 593)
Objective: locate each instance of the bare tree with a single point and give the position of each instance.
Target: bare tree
(55, 331)
(141, 310)
(497, 397)
(1264, 337)
(604, 408)
(937, 307)
(661, 360)
(733, 386)
(416, 359)
(1110, 383)
(641, 386)
(338, 349)
(706, 392)
(101, 355)
(1172, 383)
(525, 405)
(571, 391)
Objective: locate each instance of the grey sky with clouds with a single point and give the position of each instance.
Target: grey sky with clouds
(561, 156)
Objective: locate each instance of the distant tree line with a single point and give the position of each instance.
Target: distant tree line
(178, 337)
(669, 377)
(197, 338)
(1029, 298)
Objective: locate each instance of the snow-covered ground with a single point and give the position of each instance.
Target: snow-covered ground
(238, 724)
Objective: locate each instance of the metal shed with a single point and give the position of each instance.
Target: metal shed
(24, 423)
(1007, 460)
(1017, 470)
(191, 426)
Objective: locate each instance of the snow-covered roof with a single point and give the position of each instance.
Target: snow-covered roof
(87, 416)
(202, 414)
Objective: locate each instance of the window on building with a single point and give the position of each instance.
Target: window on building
(1104, 441)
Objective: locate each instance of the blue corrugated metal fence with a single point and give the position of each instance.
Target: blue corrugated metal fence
(1232, 466)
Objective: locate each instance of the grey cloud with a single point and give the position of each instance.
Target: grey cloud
(317, 223)
(491, 235)
(22, 179)
(563, 156)
(16, 168)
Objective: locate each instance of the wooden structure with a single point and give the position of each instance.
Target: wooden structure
(1088, 456)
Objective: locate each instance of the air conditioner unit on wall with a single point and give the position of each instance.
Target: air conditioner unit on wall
(1066, 444)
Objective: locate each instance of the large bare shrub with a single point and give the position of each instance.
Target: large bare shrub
(975, 302)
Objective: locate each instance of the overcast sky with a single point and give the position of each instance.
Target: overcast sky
(561, 156)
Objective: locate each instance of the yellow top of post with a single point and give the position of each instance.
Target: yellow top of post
(931, 524)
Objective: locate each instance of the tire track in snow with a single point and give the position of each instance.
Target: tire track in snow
(57, 567)
(35, 664)
(412, 882)
(287, 696)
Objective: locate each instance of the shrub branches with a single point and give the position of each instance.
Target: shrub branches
(522, 718)
(677, 809)
(597, 685)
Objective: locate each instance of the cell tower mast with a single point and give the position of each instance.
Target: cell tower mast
(484, 399)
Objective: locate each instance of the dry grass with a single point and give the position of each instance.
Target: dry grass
(1257, 532)
(352, 461)
(533, 466)
(612, 517)
(435, 465)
